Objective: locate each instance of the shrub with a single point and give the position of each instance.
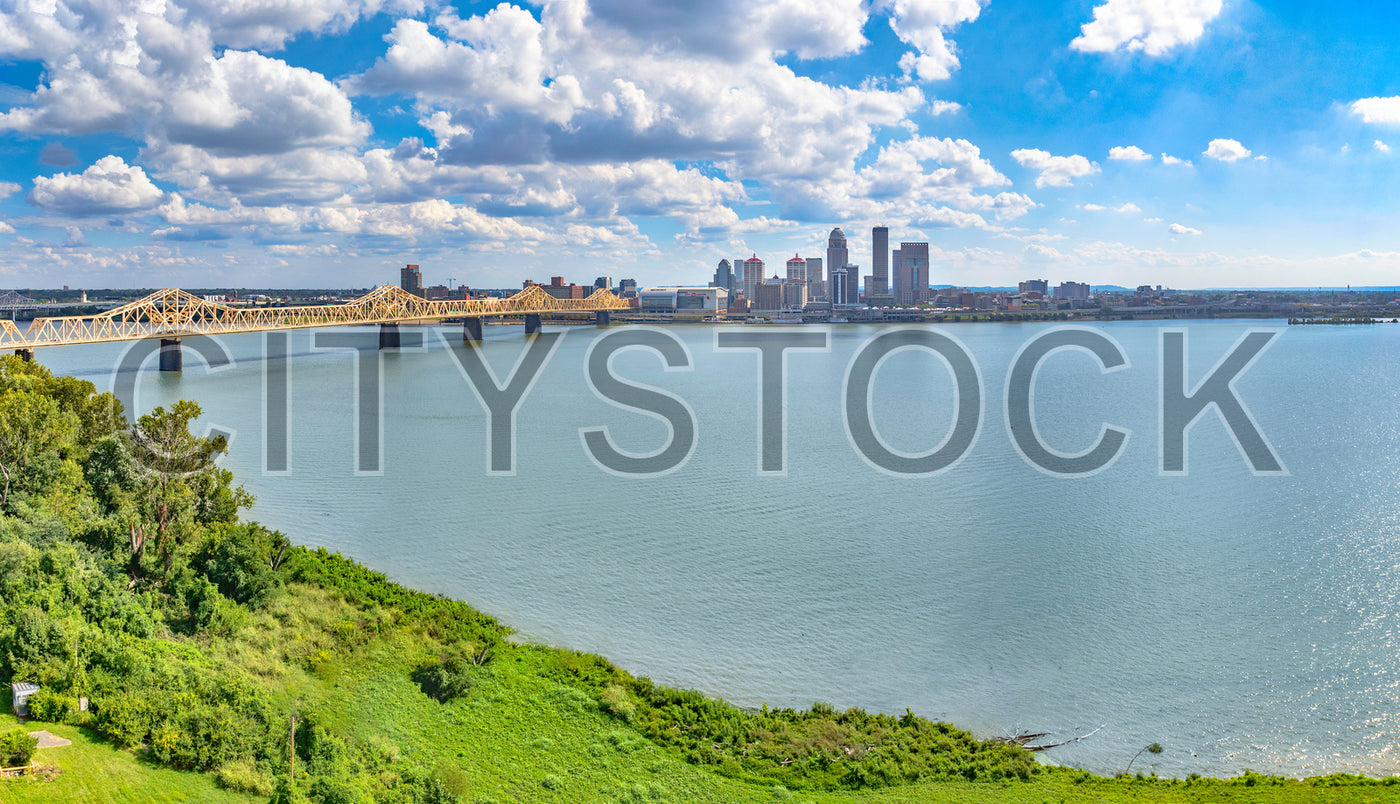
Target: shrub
(243, 776)
(17, 748)
(444, 680)
(51, 707)
(618, 702)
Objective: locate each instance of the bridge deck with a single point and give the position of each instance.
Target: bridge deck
(172, 313)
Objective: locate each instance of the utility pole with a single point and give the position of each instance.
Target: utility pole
(292, 749)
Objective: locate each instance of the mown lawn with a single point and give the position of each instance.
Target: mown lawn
(95, 772)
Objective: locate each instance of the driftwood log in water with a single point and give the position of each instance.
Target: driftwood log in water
(1031, 740)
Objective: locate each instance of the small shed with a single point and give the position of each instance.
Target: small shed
(19, 696)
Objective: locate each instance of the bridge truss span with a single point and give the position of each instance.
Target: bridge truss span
(173, 313)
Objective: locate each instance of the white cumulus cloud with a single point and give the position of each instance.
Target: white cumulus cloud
(921, 24)
(1128, 153)
(1178, 229)
(1055, 171)
(9, 188)
(1153, 27)
(1377, 110)
(1168, 159)
(1226, 150)
(1380, 146)
(108, 187)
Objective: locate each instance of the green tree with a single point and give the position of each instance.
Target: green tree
(178, 483)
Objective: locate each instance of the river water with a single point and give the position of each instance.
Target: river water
(1241, 621)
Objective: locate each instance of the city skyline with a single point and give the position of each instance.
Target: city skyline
(1197, 145)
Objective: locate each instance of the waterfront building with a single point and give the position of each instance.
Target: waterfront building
(627, 289)
(1072, 291)
(768, 294)
(411, 280)
(604, 282)
(913, 259)
(794, 295)
(839, 257)
(901, 280)
(838, 286)
(1040, 286)
(724, 276)
(816, 288)
(879, 283)
(682, 299)
(797, 269)
(753, 276)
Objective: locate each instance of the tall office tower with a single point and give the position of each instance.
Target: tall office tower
(411, 280)
(839, 285)
(724, 276)
(816, 288)
(753, 276)
(796, 269)
(914, 259)
(604, 282)
(901, 280)
(879, 284)
(837, 256)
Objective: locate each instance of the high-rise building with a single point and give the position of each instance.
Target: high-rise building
(900, 279)
(411, 280)
(913, 259)
(627, 288)
(794, 295)
(753, 275)
(604, 282)
(1072, 290)
(1040, 286)
(724, 276)
(879, 284)
(838, 257)
(796, 269)
(768, 294)
(839, 286)
(816, 288)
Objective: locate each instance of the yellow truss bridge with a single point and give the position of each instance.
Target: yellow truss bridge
(173, 313)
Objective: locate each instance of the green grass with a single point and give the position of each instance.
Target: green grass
(93, 771)
(520, 735)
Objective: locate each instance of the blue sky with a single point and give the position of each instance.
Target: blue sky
(1189, 143)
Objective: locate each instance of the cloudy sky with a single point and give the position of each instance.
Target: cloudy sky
(304, 143)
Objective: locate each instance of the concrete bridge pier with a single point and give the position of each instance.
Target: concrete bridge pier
(388, 336)
(27, 355)
(532, 324)
(471, 331)
(171, 358)
(604, 318)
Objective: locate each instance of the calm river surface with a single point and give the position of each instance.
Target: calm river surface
(1240, 621)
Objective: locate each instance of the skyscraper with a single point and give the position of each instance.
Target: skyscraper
(901, 280)
(724, 276)
(879, 262)
(837, 258)
(839, 286)
(913, 259)
(753, 276)
(411, 280)
(796, 269)
(816, 288)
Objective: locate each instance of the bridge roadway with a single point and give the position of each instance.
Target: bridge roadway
(172, 313)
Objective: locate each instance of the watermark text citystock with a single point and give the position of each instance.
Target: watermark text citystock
(1180, 406)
